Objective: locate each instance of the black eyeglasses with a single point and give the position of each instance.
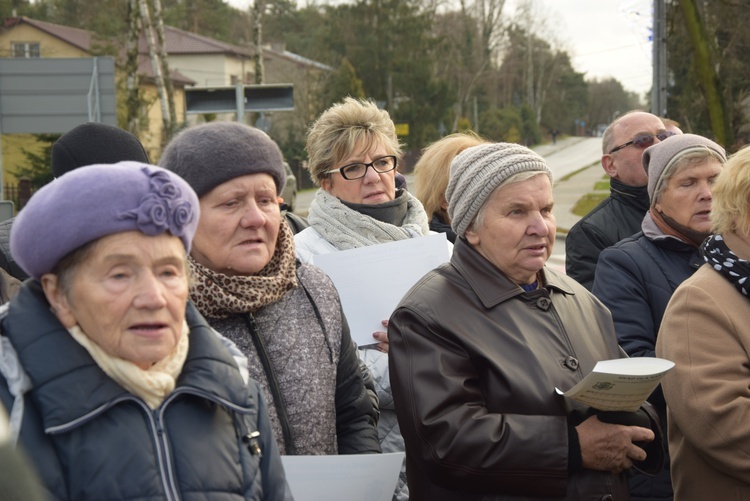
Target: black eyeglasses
(358, 170)
(643, 141)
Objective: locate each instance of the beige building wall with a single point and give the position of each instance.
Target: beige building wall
(211, 70)
(151, 135)
(49, 46)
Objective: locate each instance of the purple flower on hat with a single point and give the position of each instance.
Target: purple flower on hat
(182, 214)
(163, 186)
(152, 214)
(163, 209)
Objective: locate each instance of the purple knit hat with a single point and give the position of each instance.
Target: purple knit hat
(98, 200)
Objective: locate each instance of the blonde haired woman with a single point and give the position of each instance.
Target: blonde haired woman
(431, 174)
(706, 333)
(353, 154)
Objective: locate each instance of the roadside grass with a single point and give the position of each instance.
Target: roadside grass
(590, 200)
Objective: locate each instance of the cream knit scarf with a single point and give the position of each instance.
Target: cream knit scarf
(152, 384)
(346, 228)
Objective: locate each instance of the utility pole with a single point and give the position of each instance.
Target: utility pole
(659, 42)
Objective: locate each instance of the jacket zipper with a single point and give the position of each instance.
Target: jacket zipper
(162, 446)
(155, 420)
(157, 433)
(273, 384)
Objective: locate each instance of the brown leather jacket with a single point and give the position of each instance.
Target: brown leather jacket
(474, 364)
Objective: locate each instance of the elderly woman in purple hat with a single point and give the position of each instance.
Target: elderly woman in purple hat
(117, 388)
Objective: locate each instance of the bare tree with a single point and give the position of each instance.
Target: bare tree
(474, 47)
(132, 107)
(158, 18)
(258, 8)
(542, 60)
(156, 65)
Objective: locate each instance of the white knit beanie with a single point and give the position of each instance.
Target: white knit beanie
(477, 171)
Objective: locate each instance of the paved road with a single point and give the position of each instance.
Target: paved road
(574, 162)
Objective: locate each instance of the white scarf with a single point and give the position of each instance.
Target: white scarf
(152, 384)
(346, 228)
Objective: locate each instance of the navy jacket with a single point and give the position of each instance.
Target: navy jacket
(635, 279)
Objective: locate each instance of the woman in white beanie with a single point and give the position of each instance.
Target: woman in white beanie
(636, 278)
(479, 345)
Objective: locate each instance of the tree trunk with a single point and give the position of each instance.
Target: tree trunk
(156, 66)
(706, 73)
(158, 18)
(132, 106)
(258, 7)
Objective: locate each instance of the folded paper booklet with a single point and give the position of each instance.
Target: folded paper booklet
(622, 384)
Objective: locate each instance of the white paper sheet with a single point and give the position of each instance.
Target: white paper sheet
(350, 477)
(372, 280)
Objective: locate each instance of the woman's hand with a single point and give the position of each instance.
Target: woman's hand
(382, 337)
(609, 447)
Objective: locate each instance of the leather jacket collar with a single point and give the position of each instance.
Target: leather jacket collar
(491, 285)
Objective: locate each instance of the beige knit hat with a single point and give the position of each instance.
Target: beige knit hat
(659, 159)
(477, 171)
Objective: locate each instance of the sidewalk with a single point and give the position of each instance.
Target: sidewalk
(568, 191)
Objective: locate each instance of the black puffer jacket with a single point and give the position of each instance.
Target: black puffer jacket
(618, 216)
(90, 439)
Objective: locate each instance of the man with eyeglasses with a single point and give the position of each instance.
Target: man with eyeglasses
(619, 215)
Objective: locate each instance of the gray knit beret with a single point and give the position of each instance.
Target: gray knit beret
(477, 171)
(659, 159)
(210, 154)
(94, 201)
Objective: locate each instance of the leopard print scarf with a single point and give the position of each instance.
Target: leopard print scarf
(219, 296)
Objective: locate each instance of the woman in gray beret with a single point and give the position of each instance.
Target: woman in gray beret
(284, 316)
(479, 345)
(636, 278)
(116, 387)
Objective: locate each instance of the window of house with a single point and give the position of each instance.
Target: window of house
(25, 49)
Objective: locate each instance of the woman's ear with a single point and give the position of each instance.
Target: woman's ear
(472, 236)
(57, 299)
(326, 184)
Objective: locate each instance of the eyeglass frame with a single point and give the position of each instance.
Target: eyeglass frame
(371, 164)
(665, 133)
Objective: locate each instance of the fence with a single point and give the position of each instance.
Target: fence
(19, 193)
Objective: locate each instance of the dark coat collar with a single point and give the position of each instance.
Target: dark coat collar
(491, 285)
(636, 196)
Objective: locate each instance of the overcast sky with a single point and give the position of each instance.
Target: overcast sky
(605, 38)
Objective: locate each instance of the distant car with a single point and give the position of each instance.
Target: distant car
(290, 189)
